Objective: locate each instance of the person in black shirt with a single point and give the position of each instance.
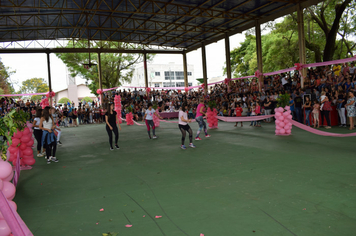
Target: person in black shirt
(298, 102)
(111, 121)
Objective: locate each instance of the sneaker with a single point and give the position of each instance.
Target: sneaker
(117, 146)
(344, 126)
(59, 143)
(197, 138)
(183, 147)
(39, 155)
(43, 153)
(48, 161)
(340, 125)
(207, 136)
(154, 137)
(191, 145)
(111, 149)
(54, 159)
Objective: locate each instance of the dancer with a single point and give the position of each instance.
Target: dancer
(149, 120)
(238, 112)
(183, 126)
(37, 131)
(48, 137)
(111, 121)
(200, 120)
(57, 130)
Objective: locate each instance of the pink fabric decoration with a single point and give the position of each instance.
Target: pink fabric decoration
(102, 209)
(201, 234)
(211, 118)
(258, 74)
(227, 81)
(129, 119)
(144, 216)
(99, 91)
(128, 226)
(118, 107)
(156, 120)
(158, 217)
(243, 118)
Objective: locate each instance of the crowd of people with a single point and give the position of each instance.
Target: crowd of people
(324, 87)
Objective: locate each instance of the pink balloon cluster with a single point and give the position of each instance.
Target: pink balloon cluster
(99, 91)
(45, 103)
(211, 118)
(117, 101)
(9, 190)
(50, 94)
(156, 119)
(283, 125)
(129, 119)
(21, 147)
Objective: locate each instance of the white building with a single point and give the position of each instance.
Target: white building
(162, 75)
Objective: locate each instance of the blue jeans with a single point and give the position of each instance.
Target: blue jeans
(307, 121)
(298, 113)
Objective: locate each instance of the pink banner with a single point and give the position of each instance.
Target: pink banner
(12, 218)
(20, 95)
(318, 132)
(243, 118)
(327, 63)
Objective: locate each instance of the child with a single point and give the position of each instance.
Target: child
(323, 96)
(258, 112)
(238, 112)
(316, 111)
(253, 113)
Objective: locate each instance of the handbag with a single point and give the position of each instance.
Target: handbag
(327, 106)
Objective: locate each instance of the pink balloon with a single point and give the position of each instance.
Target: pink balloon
(23, 146)
(278, 114)
(285, 114)
(287, 108)
(280, 109)
(278, 128)
(12, 157)
(8, 189)
(275, 110)
(25, 138)
(282, 131)
(277, 131)
(290, 117)
(281, 124)
(281, 118)
(1, 184)
(18, 134)
(4, 228)
(27, 156)
(9, 178)
(26, 131)
(15, 142)
(13, 150)
(5, 169)
(29, 125)
(30, 143)
(28, 151)
(29, 161)
(288, 131)
(277, 122)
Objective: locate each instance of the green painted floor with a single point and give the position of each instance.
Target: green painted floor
(241, 181)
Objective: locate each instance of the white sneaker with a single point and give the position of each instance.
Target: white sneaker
(54, 159)
(154, 137)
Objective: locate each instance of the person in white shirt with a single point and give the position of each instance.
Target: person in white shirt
(184, 127)
(57, 129)
(149, 120)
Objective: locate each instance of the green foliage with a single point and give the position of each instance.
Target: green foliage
(110, 234)
(212, 104)
(64, 100)
(154, 105)
(87, 99)
(34, 85)
(280, 48)
(116, 67)
(129, 109)
(283, 100)
(200, 80)
(8, 126)
(5, 74)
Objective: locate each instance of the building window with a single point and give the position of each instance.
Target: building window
(180, 84)
(156, 85)
(190, 84)
(157, 73)
(189, 73)
(169, 75)
(179, 75)
(168, 84)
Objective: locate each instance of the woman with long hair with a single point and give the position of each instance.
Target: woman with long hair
(37, 131)
(111, 121)
(49, 139)
(184, 127)
(149, 120)
(199, 118)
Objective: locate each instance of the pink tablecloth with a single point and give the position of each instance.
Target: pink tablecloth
(168, 115)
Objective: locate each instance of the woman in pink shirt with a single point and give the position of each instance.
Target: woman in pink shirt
(200, 120)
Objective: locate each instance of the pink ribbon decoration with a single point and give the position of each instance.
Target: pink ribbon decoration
(298, 66)
(99, 91)
(243, 118)
(148, 90)
(227, 81)
(202, 86)
(318, 132)
(12, 218)
(22, 94)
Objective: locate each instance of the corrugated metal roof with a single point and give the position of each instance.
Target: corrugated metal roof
(174, 23)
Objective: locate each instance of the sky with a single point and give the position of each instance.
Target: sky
(29, 66)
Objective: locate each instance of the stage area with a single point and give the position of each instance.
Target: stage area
(241, 181)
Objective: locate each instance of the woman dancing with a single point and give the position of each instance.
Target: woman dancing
(49, 139)
(111, 121)
(149, 120)
(184, 127)
(200, 120)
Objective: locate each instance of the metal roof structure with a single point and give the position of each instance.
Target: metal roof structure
(178, 24)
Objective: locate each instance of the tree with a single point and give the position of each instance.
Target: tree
(5, 83)
(116, 67)
(34, 85)
(87, 99)
(64, 100)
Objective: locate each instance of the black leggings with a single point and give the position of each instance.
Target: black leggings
(326, 114)
(183, 129)
(116, 132)
(50, 148)
(38, 136)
